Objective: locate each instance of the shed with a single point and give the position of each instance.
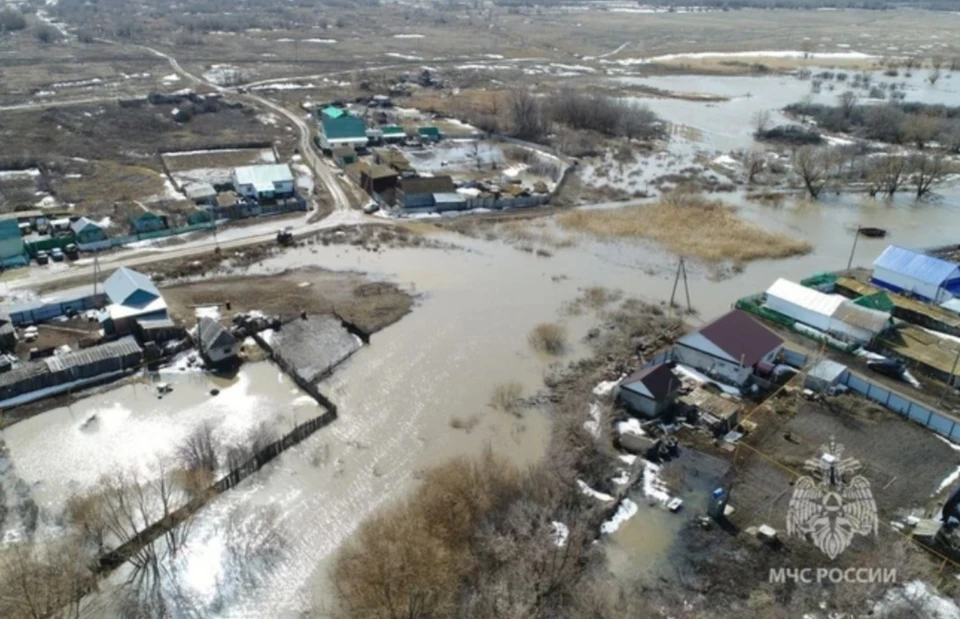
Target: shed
(378, 179)
(393, 158)
(825, 376)
(12, 251)
(148, 222)
(418, 192)
(732, 347)
(429, 134)
(263, 181)
(88, 231)
(650, 391)
(393, 133)
(908, 271)
(451, 201)
(344, 155)
(721, 414)
(200, 193)
(828, 313)
(216, 344)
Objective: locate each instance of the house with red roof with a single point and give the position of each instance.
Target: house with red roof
(731, 348)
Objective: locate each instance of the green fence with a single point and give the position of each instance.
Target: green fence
(752, 305)
(33, 247)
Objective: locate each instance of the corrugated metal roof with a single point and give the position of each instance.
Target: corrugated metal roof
(213, 335)
(86, 356)
(333, 112)
(738, 335)
(124, 283)
(827, 370)
(872, 320)
(804, 297)
(916, 265)
(82, 224)
(344, 127)
(655, 382)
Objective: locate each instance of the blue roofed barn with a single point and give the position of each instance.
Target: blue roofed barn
(915, 273)
(650, 391)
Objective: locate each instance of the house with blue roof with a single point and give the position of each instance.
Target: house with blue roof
(916, 274)
(134, 302)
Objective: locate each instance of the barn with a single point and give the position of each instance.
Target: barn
(917, 274)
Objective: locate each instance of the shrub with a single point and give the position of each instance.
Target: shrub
(506, 397)
(791, 134)
(11, 20)
(549, 338)
(45, 33)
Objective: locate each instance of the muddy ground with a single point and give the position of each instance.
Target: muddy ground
(371, 306)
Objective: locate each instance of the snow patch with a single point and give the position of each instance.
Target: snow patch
(626, 510)
(561, 533)
(403, 56)
(630, 426)
(948, 481)
(411, 36)
(605, 387)
(587, 490)
(208, 311)
(592, 425)
(654, 487)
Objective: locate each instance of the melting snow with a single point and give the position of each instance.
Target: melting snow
(560, 533)
(592, 425)
(653, 486)
(605, 387)
(587, 490)
(626, 510)
(948, 481)
(630, 426)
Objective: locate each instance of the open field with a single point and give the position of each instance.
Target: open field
(687, 225)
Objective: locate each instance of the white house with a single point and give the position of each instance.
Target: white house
(732, 347)
(217, 345)
(828, 313)
(264, 181)
(915, 273)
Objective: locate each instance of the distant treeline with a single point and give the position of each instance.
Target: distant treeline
(726, 5)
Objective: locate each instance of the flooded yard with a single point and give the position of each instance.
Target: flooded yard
(129, 429)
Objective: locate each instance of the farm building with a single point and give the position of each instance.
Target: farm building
(133, 297)
(429, 134)
(62, 372)
(200, 193)
(88, 231)
(344, 156)
(339, 128)
(732, 347)
(915, 273)
(378, 179)
(650, 391)
(12, 252)
(393, 134)
(216, 344)
(148, 222)
(418, 193)
(828, 313)
(264, 182)
(393, 159)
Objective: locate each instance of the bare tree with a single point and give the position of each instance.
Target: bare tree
(919, 129)
(848, 100)
(761, 122)
(526, 114)
(812, 165)
(887, 174)
(934, 76)
(44, 580)
(753, 164)
(927, 171)
(198, 451)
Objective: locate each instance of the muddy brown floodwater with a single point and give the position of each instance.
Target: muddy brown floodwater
(467, 334)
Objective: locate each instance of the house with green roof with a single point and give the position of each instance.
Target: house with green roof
(429, 134)
(339, 127)
(393, 134)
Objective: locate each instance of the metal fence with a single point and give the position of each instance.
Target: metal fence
(48, 311)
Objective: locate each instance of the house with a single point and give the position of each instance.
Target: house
(132, 297)
(264, 182)
(378, 179)
(418, 192)
(650, 391)
(216, 344)
(429, 134)
(914, 273)
(148, 222)
(732, 347)
(843, 319)
(340, 128)
(393, 134)
(88, 231)
(12, 251)
(344, 156)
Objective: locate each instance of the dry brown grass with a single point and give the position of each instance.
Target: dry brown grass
(690, 225)
(506, 397)
(549, 338)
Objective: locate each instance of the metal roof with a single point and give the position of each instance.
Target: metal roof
(737, 335)
(213, 335)
(86, 356)
(263, 177)
(333, 112)
(804, 297)
(344, 127)
(448, 198)
(655, 382)
(827, 370)
(392, 130)
(916, 265)
(124, 283)
(82, 224)
(872, 320)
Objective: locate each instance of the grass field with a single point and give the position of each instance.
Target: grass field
(688, 225)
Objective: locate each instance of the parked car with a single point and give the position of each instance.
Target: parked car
(72, 251)
(42, 257)
(893, 368)
(371, 207)
(57, 254)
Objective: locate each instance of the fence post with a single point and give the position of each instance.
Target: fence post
(929, 418)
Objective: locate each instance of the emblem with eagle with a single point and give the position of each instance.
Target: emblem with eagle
(834, 508)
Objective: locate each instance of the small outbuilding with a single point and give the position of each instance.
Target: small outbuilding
(732, 347)
(217, 345)
(651, 391)
(825, 376)
(918, 274)
(88, 231)
(429, 134)
(828, 313)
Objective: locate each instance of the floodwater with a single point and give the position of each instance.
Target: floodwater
(468, 333)
(129, 429)
(728, 125)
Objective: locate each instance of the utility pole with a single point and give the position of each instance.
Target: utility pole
(952, 379)
(856, 235)
(96, 271)
(681, 270)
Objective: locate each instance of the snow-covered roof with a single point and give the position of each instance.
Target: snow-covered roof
(82, 224)
(263, 177)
